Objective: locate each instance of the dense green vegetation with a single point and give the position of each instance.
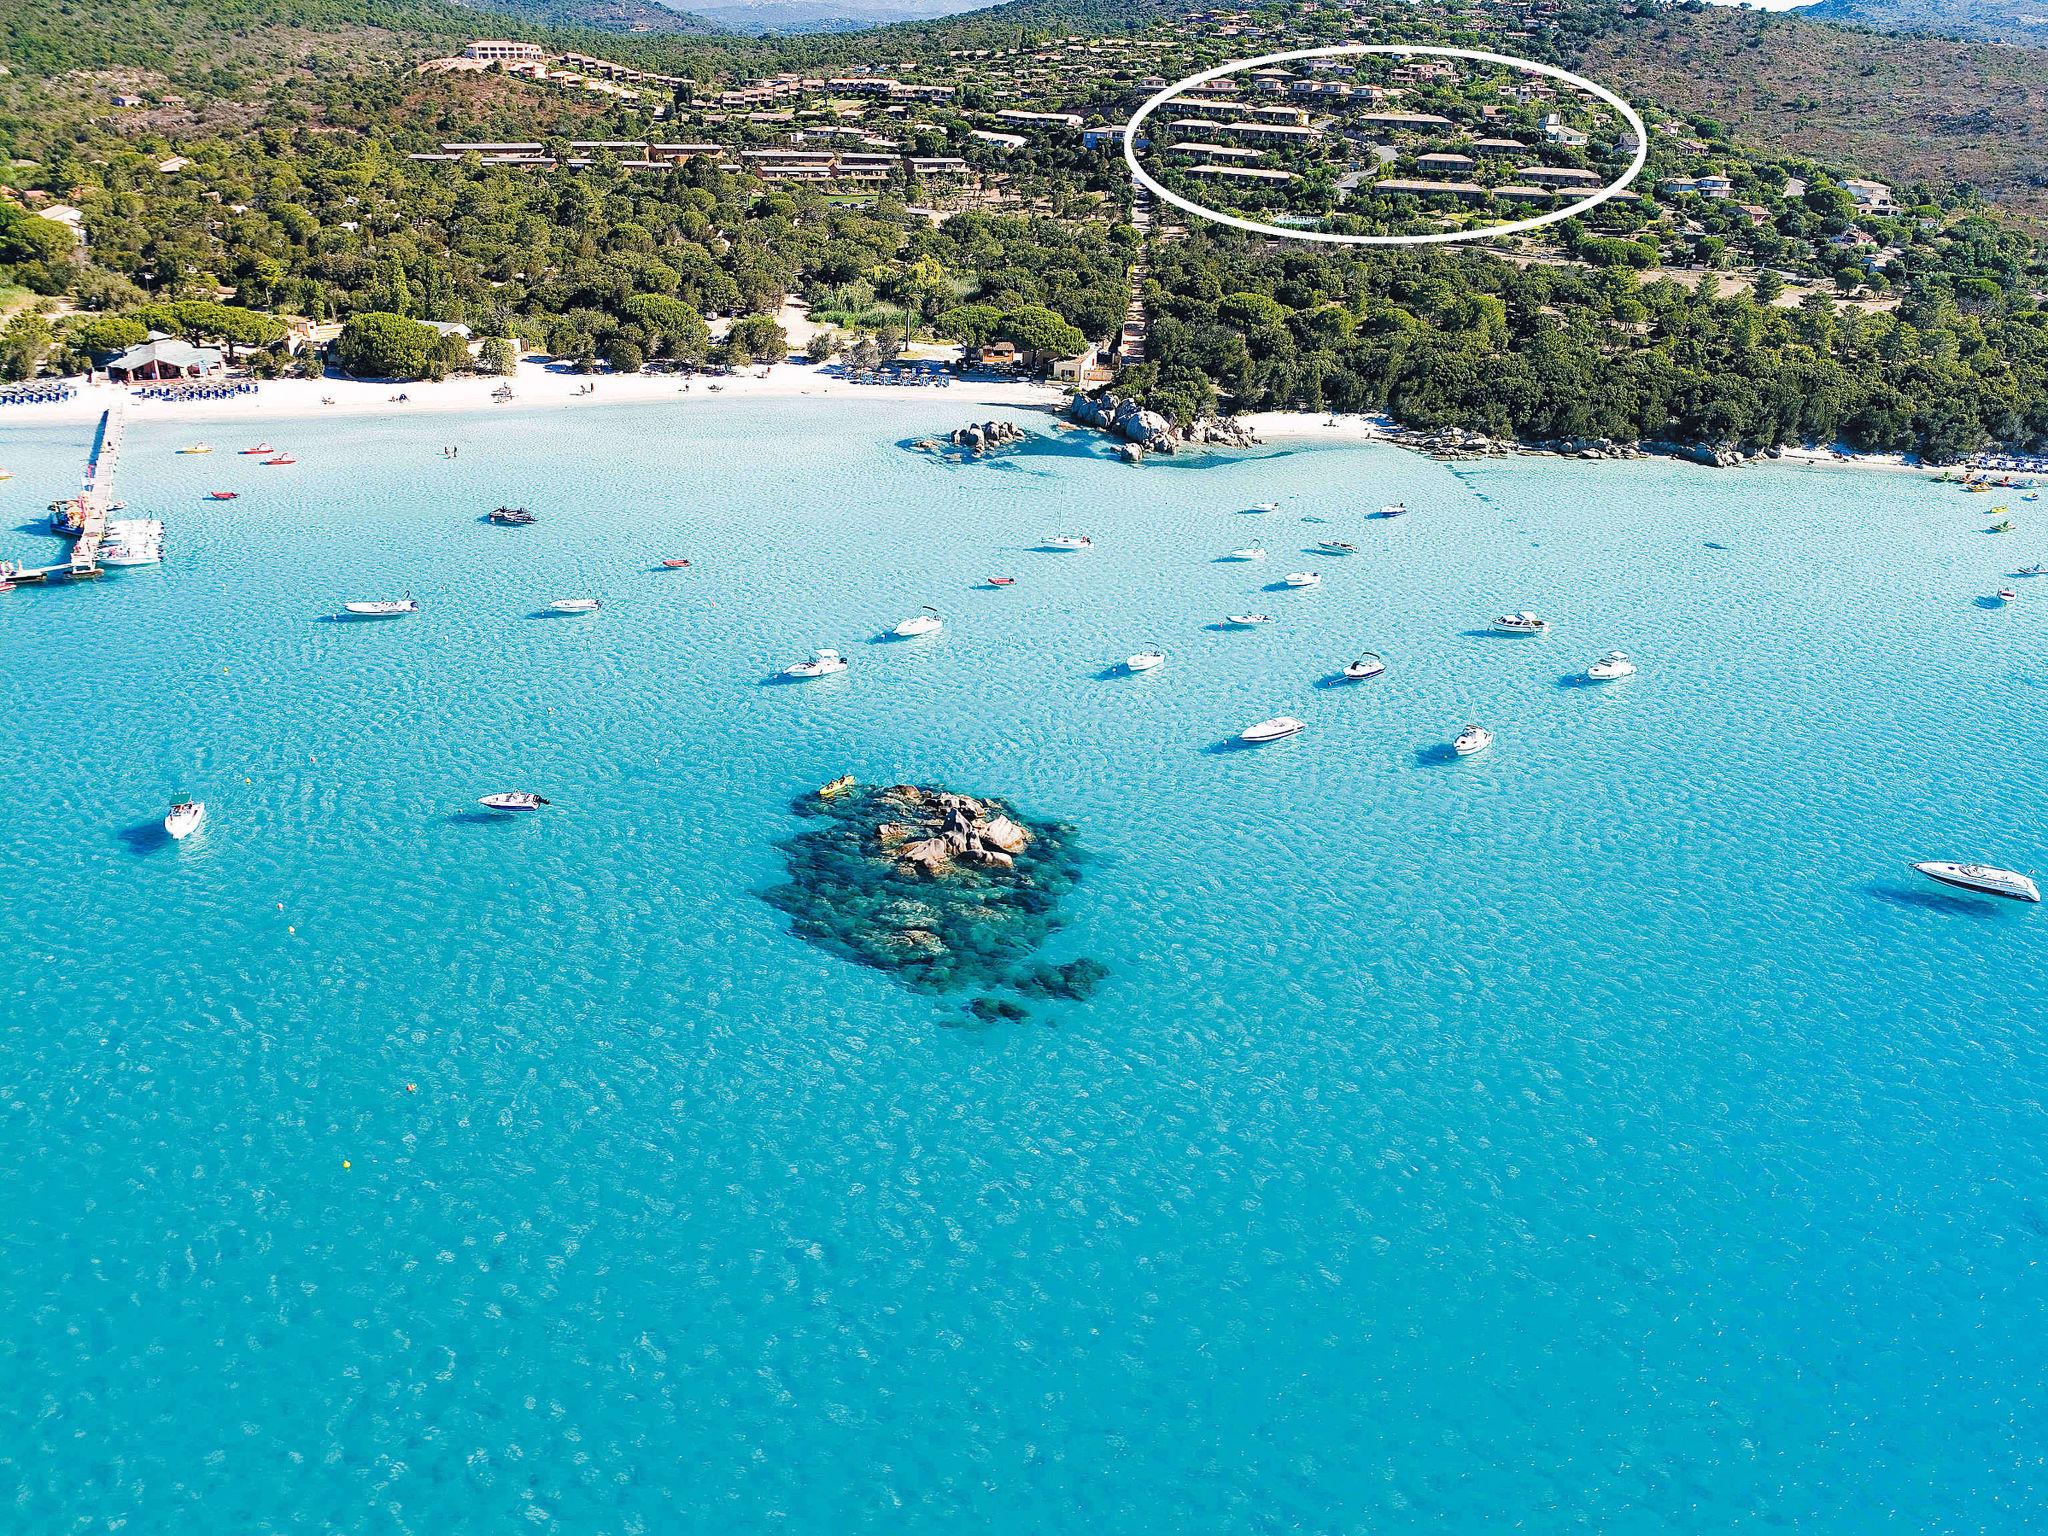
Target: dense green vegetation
(252, 188)
(1550, 352)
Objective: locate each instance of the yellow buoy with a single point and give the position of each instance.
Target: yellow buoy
(346, 1164)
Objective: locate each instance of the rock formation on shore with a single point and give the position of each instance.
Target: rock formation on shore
(1150, 432)
(941, 890)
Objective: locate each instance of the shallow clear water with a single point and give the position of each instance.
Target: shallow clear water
(1605, 1134)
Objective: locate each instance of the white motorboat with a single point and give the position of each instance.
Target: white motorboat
(821, 664)
(1472, 740)
(1247, 620)
(1335, 547)
(1615, 664)
(1070, 541)
(184, 818)
(512, 800)
(1982, 878)
(1304, 579)
(2008, 595)
(1246, 554)
(382, 607)
(2036, 569)
(575, 605)
(1263, 506)
(1275, 729)
(918, 624)
(1523, 623)
(1145, 661)
(1398, 509)
(133, 541)
(1368, 665)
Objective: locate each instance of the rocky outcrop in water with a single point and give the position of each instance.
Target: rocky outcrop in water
(980, 437)
(942, 890)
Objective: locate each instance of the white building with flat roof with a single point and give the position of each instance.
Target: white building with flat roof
(492, 50)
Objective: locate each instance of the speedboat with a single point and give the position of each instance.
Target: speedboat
(1145, 661)
(1398, 509)
(917, 624)
(1246, 554)
(1472, 740)
(575, 605)
(1523, 623)
(1000, 581)
(1263, 506)
(259, 448)
(1335, 547)
(222, 495)
(2008, 595)
(382, 607)
(133, 541)
(282, 458)
(1368, 665)
(1247, 620)
(1070, 541)
(1275, 729)
(184, 818)
(821, 664)
(197, 448)
(1611, 666)
(2037, 569)
(512, 800)
(1304, 579)
(1982, 878)
(2004, 525)
(673, 564)
(516, 517)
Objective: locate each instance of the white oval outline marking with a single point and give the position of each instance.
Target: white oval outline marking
(1491, 232)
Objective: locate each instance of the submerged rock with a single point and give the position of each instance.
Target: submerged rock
(944, 891)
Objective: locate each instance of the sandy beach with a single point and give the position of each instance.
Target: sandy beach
(1272, 426)
(534, 387)
(539, 386)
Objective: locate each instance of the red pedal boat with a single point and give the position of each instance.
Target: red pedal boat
(674, 565)
(259, 448)
(1002, 581)
(282, 458)
(222, 495)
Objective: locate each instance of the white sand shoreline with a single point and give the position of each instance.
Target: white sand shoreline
(534, 387)
(1317, 425)
(539, 387)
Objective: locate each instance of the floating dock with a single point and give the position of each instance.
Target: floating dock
(83, 517)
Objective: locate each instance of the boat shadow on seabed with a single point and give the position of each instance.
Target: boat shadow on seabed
(144, 836)
(1983, 908)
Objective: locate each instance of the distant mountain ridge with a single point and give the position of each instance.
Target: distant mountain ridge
(1995, 21)
(758, 17)
(598, 15)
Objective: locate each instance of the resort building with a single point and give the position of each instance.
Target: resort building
(1040, 119)
(1241, 172)
(1560, 176)
(1410, 122)
(1556, 132)
(491, 51)
(1444, 164)
(1412, 188)
(1870, 196)
(165, 357)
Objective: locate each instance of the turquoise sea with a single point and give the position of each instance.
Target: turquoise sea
(1604, 1135)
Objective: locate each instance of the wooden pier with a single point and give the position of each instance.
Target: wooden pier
(83, 517)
